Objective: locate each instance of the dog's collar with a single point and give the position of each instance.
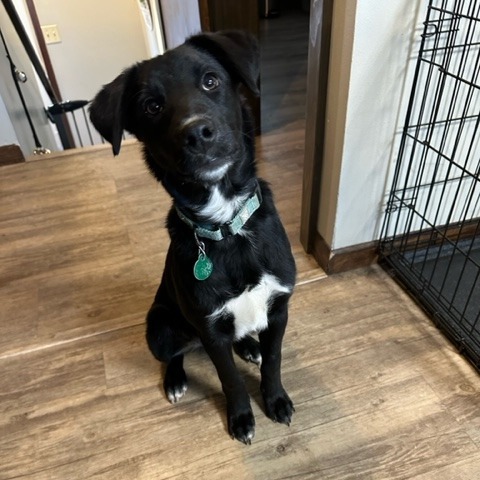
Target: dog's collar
(219, 232)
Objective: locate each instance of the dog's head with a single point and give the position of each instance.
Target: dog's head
(184, 106)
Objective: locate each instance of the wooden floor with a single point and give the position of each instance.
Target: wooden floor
(379, 393)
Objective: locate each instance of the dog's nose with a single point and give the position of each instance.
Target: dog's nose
(198, 135)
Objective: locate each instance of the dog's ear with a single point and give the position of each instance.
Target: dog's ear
(236, 50)
(107, 110)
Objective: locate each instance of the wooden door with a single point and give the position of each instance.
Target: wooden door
(225, 14)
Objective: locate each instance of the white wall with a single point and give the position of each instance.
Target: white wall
(7, 132)
(98, 40)
(370, 61)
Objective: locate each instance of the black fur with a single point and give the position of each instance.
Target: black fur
(187, 110)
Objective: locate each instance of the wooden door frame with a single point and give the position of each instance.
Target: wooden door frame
(204, 15)
(321, 19)
(322, 113)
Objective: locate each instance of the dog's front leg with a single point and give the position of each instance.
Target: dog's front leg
(278, 405)
(241, 422)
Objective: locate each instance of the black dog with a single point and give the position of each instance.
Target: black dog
(229, 271)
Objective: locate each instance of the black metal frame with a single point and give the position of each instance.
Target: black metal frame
(431, 232)
(55, 111)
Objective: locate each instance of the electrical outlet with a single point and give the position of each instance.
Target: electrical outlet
(50, 33)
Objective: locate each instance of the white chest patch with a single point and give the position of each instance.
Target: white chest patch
(250, 308)
(220, 210)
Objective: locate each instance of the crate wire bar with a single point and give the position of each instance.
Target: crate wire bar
(430, 239)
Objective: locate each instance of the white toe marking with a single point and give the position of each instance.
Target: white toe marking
(175, 395)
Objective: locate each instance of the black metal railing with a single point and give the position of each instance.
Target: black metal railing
(83, 133)
(60, 113)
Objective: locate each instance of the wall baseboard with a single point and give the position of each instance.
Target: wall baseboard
(343, 259)
(10, 154)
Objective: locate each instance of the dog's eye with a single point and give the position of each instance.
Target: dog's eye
(210, 82)
(152, 107)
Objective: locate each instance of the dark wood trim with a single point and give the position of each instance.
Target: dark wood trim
(317, 82)
(49, 67)
(10, 154)
(343, 259)
(204, 15)
(43, 48)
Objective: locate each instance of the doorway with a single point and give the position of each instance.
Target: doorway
(281, 145)
(284, 59)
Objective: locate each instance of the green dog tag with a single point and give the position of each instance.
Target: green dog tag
(203, 267)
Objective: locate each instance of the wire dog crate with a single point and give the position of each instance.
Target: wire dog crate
(431, 232)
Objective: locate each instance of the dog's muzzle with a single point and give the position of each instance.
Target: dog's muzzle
(198, 135)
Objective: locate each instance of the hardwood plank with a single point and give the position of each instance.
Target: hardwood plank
(370, 440)
(65, 307)
(49, 222)
(464, 469)
(458, 390)
(19, 315)
(94, 409)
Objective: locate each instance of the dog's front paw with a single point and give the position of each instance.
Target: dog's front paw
(176, 392)
(242, 427)
(279, 408)
(249, 350)
(175, 384)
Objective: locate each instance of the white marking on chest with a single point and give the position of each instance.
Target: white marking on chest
(220, 210)
(250, 308)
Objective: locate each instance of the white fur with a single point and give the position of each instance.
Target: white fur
(215, 175)
(250, 308)
(191, 119)
(175, 395)
(220, 210)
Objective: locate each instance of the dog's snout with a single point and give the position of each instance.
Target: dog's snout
(198, 135)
